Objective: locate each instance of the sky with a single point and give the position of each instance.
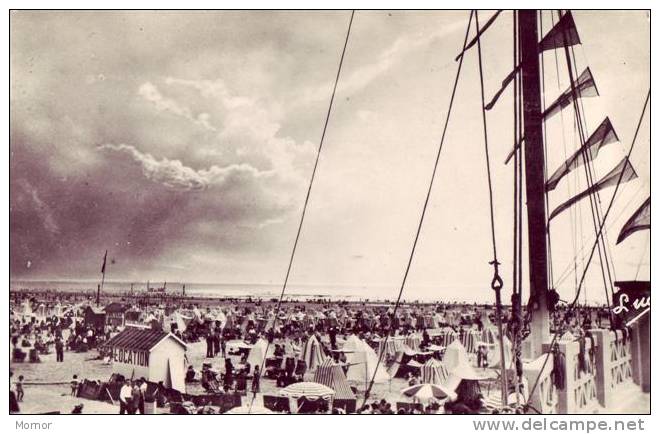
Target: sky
(183, 143)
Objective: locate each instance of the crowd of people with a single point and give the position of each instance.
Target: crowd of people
(63, 328)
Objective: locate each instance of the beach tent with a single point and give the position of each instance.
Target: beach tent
(362, 361)
(434, 372)
(488, 336)
(455, 355)
(180, 321)
(413, 341)
(494, 355)
(221, 317)
(470, 339)
(257, 353)
(312, 353)
(330, 374)
(27, 308)
(465, 371)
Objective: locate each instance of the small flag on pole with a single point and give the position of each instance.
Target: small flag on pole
(105, 257)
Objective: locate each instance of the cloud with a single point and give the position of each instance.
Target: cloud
(150, 93)
(173, 173)
(41, 208)
(364, 75)
(250, 125)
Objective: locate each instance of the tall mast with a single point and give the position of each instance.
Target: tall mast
(534, 179)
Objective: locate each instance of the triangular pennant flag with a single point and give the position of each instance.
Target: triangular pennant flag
(563, 34)
(640, 220)
(603, 135)
(585, 86)
(623, 172)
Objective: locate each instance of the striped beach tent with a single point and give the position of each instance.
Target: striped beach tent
(330, 374)
(434, 372)
(448, 336)
(312, 353)
(413, 342)
(489, 336)
(469, 340)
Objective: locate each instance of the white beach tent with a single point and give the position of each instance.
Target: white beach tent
(362, 361)
(27, 308)
(465, 371)
(455, 355)
(180, 321)
(494, 355)
(257, 353)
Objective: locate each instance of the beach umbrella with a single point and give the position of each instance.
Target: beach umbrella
(247, 409)
(308, 389)
(425, 392)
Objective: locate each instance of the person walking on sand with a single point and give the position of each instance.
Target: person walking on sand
(19, 389)
(74, 385)
(209, 345)
(13, 401)
(135, 398)
(125, 396)
(59, 349)
(142, 387)
(256, 377)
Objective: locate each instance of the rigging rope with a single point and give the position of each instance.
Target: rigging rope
(517, 322)
(593, 248)
(595, 215)
(426, 201)
(309, 190)
(496, 283)
(545, 158)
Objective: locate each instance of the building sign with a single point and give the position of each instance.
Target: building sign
(632, 300)
(130, 357)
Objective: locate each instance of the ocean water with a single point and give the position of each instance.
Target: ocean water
(264, 291)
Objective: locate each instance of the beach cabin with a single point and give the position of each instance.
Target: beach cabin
(115, 314)
(94, 317)
(152, 354)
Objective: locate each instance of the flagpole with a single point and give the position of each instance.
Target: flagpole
(100, 288)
